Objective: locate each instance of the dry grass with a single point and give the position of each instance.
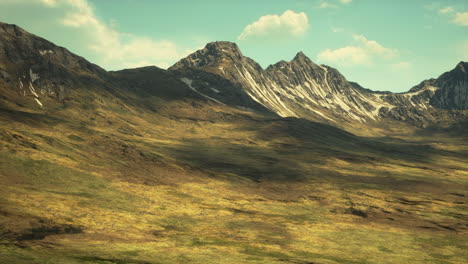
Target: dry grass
(205, 184)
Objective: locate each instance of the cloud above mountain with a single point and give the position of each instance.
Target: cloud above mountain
(461, 19)
(108, 46)
(446, 10)
(362, 52)
(117, 48)
(289, 24)
(333, 4)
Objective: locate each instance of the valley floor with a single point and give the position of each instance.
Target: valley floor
(225, 188)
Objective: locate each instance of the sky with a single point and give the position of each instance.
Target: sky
(382, 45)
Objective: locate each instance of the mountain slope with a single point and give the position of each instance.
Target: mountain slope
(453, 92)
(40, 72)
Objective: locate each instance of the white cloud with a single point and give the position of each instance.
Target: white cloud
(375, 48)
(289, 24)
(349, 55)
(446, 10)
(363, 52)
(326, 4)
(101, 42)
(461, 19)
(110, 44)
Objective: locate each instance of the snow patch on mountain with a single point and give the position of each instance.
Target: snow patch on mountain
(38, 102)
(44, 52)
(189, 82)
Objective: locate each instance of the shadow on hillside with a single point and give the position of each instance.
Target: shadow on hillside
(298, 149)
(222, 89)
(250, 162)
(35, 119)
(313, 134)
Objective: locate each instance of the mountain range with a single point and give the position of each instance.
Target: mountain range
(300, 88)
(220, 73)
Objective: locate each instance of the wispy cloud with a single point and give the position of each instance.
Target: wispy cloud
(446, 10)
(326, 4)
(363, 52)
(332, 3)
(461, 19)
(109, 47)
(289, 24)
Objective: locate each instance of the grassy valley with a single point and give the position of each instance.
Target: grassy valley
(199, 182)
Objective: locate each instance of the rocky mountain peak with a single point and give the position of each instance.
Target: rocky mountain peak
(212, 55)
(453, 89)
(423, 85)
(458, 75)
(300, 62)
(302, 59)
(223, 48)
(11, 29)
(462, 66)
(300, 56)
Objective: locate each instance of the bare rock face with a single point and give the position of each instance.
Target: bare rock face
(214, 72)
(433, 101)
(301, 88)
(453, 92)
(212, 55)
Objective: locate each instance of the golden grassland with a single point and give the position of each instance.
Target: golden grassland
(205, 184)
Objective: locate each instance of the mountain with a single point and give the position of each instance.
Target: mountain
(221, 74)
(298, 88)
(193, 165)
(29, 62)
(301, 88)
(436, 102)
(38, 76)
(453, 91)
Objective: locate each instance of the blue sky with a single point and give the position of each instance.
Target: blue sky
(383, 45)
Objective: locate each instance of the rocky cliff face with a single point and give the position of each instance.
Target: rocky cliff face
(432, 101)
(301, 88)
(453, 89)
